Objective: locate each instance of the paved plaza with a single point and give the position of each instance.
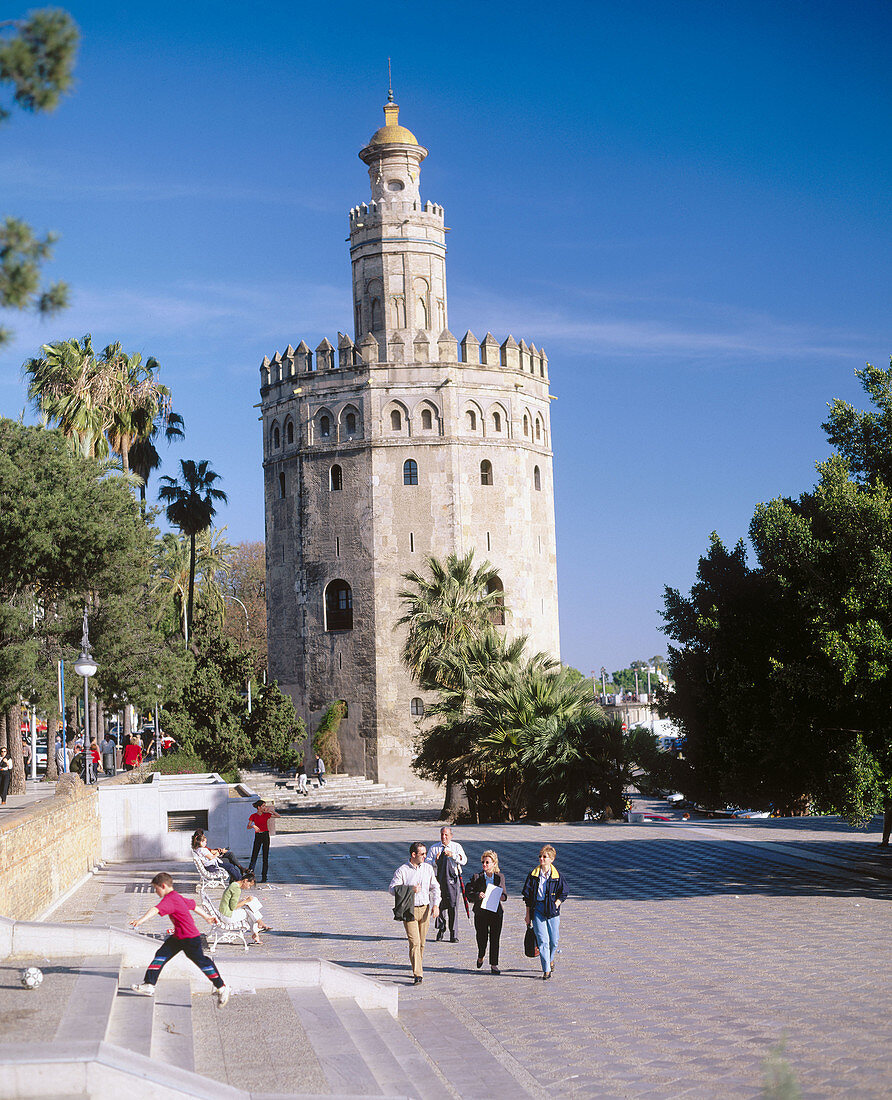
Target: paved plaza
(688, 952)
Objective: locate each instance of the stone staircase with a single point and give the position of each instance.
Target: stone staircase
(268, 1043)
(341, 792)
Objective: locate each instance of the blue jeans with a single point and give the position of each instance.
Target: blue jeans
(548, 934)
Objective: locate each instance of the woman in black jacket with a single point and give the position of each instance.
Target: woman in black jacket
(488, 922)
(544, 892)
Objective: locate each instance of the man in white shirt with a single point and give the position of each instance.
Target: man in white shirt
(420, 876)
(448, 857)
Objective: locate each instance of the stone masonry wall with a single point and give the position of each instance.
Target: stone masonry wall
(46, 848)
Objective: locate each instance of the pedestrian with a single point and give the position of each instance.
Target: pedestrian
(448, 857)
(185, 938)
(420, 878)
(543, 893)
(243, 908)
(320, 771)
(94, 761)
(259, 822)
(61, 757)
(5, 775)
(132, 754)
(488, 917)
(302, 781)
(214, 858)
(108, 748)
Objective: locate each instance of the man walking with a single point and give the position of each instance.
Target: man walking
(447, 858)
(420, 878)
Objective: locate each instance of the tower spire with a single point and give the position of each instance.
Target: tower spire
(389, 83)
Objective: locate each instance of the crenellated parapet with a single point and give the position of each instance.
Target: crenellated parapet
(301, 362)
(367, 213)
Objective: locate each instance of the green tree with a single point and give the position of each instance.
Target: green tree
(273, 728)
(325, 739)
(37, 56)
(191, 507)
(453, 606)
(170, 576)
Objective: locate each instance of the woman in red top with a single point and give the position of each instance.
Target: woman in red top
(132, 755)
(259, 822)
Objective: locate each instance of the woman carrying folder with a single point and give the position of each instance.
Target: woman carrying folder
(487, 891)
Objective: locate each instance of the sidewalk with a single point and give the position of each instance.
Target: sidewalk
(685, 958)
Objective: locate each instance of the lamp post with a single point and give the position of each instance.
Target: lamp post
(604, 681)
(227, 596)
(85, 666)
(157, 726)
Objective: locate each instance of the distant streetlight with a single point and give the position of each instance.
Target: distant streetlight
(227, 596)
(85, 666)
(603, 681)
(157, 726)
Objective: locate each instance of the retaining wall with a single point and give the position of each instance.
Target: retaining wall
(48, 847)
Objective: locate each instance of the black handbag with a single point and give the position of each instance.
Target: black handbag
(530, 947)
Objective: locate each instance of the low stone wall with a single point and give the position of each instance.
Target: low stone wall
(48, 847)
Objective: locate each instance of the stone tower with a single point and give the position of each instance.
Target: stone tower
(400, 443)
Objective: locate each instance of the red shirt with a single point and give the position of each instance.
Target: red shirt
(132, 755)
(179, 909)
(261, 821)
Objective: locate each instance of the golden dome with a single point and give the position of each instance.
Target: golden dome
(391, 132)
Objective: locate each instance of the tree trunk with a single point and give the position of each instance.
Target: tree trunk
(887, 824)
(455, 804)
(4, 743)
(14, 737)
(127, 726)
(191, 586)
(52, 724)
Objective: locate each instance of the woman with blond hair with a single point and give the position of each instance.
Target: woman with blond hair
(543, 893)
(488, 920)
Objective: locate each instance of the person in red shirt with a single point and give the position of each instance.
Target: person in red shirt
(185, 938)
(259, 822)
(132, 755)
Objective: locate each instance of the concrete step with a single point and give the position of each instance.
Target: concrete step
(345, 1068)
(424, 1081)
(131, 1018)
(472, 1071)
(172, 1025)
(86, 1015)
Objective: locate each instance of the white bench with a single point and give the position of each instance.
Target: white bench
(227, 931)
(209, 876)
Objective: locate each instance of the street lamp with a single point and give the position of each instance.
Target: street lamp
(157, 726)
(604, 681)
(227, 596)
(85, 666)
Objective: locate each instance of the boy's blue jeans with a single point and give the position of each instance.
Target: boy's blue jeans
(548, 933)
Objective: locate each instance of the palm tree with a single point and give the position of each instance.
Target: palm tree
(445, 613)
(170, 573)
(72, 390)
(144, 457)
(190, 506)
(137, 398)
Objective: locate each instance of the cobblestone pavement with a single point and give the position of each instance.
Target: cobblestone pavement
(686, 957)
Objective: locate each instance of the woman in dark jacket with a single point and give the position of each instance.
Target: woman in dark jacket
(5, 775)
(543, 893)
(488, 922)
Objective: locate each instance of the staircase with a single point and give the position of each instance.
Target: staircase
(341, 792)
(268, 1042)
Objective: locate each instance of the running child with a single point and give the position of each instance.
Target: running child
(185, 938)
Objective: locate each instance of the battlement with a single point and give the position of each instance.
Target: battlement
(301, 362)
(374, 210)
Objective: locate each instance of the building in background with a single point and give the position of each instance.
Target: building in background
(397, 444)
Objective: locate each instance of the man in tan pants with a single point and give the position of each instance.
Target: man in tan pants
(422, 879)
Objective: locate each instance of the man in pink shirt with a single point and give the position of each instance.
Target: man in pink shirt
(185, 938)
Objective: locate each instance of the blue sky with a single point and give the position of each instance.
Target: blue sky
(687, 205)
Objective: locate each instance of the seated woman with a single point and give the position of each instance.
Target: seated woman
(243, 908)
(214, 858)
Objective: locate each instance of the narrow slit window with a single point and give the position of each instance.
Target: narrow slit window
(486, 472)
(427, 420)
(396, 421)
(411, 543)
(537, 478)
(281, 485)
(324, 427)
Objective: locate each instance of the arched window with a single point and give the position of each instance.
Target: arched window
(396, 421)
(526, 424)
(538, 429)
(416, 707)
(410, 472)
(486, 472)
(497, 614)
(281, 485)
(289, 432)
(427, 420)
(472, 420)
(350, 423)
(277, 438)
(537, 478)
(377, 319)
(422, 313)
(324, 427)
(338, 606)
(335, 478)
(496, 422)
